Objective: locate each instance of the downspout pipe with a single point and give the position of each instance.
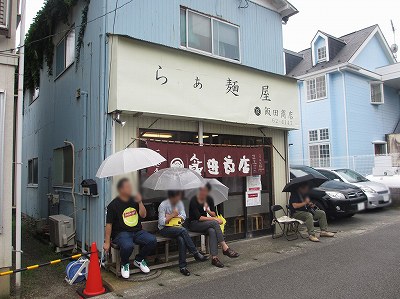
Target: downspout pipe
(103, 118)
(345, 116)
(18, 148)
(84, 168)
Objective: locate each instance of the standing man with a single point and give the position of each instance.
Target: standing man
(124, 227)
(172, 208)
(299, 204)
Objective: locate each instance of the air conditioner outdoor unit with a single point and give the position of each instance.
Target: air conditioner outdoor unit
(61, 229)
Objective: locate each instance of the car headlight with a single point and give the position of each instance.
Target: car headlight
(335, 195)
(368, 190)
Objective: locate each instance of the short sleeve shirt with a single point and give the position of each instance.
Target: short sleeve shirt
(196, 210)
(295, 198)
(124, 216)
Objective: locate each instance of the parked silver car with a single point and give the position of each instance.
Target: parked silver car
(378, 194)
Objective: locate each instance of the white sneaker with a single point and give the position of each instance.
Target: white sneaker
(125, 271)
(142, 266)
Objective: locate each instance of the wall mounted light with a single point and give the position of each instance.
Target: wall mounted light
(117, 118)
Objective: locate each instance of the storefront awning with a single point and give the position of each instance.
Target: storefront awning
(158, 80)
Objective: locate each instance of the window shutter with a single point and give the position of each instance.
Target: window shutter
(3, 13)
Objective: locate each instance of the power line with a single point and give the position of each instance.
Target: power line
(67, 30)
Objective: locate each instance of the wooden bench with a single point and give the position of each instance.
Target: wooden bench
(114, 259)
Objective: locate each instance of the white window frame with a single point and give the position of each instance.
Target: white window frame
(306, 82)
(67, 64)
(372, 84)
(309, 136)
(5, 24)
(187, 47)
(31, 183)
(319, 159)
(319, 135)
(321, 50)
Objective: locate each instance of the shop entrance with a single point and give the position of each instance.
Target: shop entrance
(244, 218)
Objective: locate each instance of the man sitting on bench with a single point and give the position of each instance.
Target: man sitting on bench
(124, 227)
(171, 215)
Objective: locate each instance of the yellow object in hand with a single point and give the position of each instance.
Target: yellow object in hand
(176, 221)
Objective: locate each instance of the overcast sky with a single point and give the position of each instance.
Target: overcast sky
(336, 17)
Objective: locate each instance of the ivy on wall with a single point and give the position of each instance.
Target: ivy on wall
(39, 49)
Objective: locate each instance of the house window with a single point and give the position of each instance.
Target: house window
(34, 96)
(316, 88)
(377, 93)
(324, 134)
(318, 135)
(209, 35)
(65, 52)
(321, 52)
(313, 135)
(4, 6)
(63, 165)
(320, 155)
(319, 149)
(33, 172)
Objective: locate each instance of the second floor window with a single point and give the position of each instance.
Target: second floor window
(209, 35)
(34, 96)
(4, 13)
(318, 135)
(377, 93)
(321, 54)
(316, 88)
(65, 52)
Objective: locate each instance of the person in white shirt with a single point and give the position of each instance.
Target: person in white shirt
(172, 208)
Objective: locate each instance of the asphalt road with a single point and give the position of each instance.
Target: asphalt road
(364, 266)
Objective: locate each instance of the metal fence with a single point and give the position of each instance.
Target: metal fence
(363, 164)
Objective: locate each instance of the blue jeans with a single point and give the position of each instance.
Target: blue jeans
(127, 240)
(185, 242)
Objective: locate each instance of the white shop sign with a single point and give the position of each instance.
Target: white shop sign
(253, 198)
(159, 80)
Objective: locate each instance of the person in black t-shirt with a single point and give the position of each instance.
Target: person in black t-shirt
(123, 226)
(202, 217)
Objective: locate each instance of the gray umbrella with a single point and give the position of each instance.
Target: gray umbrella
(174, 179)
(219, 192)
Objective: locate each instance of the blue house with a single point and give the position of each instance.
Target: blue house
(151, 73)
(349, 99)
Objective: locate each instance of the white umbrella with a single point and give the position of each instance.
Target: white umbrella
(219, 192)
(174, 179)
(128, 160)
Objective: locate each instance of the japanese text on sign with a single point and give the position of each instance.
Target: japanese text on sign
(211, 161)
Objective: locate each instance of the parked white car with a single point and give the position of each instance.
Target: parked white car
(378, 194)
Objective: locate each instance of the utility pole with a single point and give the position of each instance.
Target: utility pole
(18, 148)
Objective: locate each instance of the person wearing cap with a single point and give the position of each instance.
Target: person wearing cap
(171, 216)
(302, 208)
(203, 219)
